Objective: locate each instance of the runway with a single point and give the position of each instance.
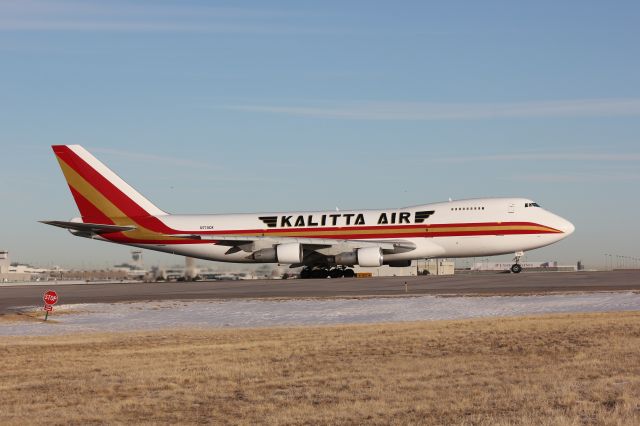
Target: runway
(463, 284)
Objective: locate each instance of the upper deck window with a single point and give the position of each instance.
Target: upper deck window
(467, 208)
(531, 205)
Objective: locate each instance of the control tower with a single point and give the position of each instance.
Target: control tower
(4, 262)
(136, 257)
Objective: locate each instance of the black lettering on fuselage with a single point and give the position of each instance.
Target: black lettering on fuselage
(404, 217)
(350, 219)
(349, 216)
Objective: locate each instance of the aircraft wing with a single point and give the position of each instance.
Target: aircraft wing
(93, 228)
(251, 243)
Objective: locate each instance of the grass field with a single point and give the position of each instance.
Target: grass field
(559, 369)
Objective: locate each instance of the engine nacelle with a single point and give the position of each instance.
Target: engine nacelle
(265, 255)
(348, 258)
(282, 253)
(289, 253)
(370, 256)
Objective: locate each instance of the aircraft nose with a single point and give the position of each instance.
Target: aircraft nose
(565, 226)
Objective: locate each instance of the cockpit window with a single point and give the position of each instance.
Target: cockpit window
(531, 205)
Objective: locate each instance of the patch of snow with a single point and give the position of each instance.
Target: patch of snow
(103, 317)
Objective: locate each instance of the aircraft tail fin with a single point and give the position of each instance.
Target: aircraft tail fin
(101, 196)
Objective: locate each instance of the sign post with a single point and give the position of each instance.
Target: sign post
(50, 298)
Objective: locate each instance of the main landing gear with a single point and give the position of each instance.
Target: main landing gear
(317, 272)
(516, 268)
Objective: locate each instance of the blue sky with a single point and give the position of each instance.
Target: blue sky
(210, 107)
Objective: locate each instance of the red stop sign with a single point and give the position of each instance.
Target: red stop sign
(50, 297)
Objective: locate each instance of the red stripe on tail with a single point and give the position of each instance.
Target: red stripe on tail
(89, 212)
(129, 207)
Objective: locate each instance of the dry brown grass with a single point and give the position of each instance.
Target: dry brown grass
(559, 369)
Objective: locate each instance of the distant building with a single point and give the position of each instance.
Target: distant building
(17, 272)
(385, 271)
(134, 270)
(417, 267)
(131, 271)
(536, 266)
(436, 267)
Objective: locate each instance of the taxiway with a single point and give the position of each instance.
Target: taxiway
(463, 284)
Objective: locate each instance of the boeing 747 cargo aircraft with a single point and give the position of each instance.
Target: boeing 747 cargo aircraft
(324, 243)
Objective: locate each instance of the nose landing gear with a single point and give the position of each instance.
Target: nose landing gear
(516, 268)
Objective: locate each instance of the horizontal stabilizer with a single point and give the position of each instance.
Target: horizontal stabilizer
(94, 228)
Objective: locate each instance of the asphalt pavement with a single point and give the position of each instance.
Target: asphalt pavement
(15, 296)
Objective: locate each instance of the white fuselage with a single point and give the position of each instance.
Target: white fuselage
(463, 228)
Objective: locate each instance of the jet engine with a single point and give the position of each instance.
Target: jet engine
(349, 258)
(368, 256)
(288, 253)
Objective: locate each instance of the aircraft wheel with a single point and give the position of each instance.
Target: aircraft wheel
(516, 269)
(348, 273)
(305, 273)
(319, 273)
(336, 273)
